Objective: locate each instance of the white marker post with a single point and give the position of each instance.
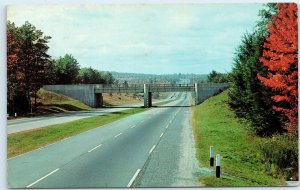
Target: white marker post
(218, 166)
(211, 156)
(15, 114)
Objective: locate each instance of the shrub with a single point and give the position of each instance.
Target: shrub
(280, 156)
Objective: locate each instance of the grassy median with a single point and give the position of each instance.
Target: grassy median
(18, 143)
(215, 125)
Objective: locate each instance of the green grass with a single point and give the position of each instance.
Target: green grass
(215, 125)
(22, 142)
(54, 102)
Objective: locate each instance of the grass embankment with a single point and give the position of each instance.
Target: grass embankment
(121, 99)
(50, 102)
(22, 142)
(216, 125)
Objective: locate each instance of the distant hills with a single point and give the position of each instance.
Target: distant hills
(163, 78)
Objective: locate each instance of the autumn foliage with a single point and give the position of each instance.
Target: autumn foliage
(280, 57)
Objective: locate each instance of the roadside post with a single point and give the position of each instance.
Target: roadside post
(218, 166)
(211, 156)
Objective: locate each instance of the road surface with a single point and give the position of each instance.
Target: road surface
(24, 124)
(154, 148)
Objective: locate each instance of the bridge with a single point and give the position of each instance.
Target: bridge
(91, 94)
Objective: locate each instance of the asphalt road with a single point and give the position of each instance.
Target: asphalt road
(24, 124)
(149, 149)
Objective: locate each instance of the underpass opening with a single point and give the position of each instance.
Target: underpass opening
(98, 100)
(122, 100)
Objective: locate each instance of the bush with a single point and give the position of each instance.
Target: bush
(280, 156)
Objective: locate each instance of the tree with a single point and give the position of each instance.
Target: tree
(280, 57)
(213, 74)
(27, 61)
(90, 76)
(13, 50)
(217, 77)
(249, 98)
(66, 69)
(108, 77)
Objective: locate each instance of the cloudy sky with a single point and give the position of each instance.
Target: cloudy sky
(158, 39)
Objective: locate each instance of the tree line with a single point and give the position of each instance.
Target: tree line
(264, 79)
(264, 87)
(158, 78)
(29, 67)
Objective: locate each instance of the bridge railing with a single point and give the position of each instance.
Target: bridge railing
(171, 87)
(130, 88)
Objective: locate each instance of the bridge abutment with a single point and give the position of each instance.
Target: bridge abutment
(83, 92)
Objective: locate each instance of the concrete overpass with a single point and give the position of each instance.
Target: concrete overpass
(91, 94)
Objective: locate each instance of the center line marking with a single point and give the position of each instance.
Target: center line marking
(95, 148)
(161, 135)
(133, 126)
(153, 147)
(133, 178)
(42, 178)
(118, 135)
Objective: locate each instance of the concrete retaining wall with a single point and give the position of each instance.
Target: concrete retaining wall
(84, 93)
(206, 90)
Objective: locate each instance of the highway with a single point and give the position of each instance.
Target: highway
(154, 148)
(24, 124)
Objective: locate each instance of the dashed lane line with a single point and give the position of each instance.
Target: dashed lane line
(133, 126)
(161, 135)
(42, 178)
(95, 148)
(118, 135)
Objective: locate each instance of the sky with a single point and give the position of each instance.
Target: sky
(143, 38)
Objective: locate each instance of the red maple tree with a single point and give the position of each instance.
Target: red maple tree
(280, 57)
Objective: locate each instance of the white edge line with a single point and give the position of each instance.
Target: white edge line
(133, 178)
(161, 135)
(95, 148)
(118, 135)
(153, 147)
(42, 178)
